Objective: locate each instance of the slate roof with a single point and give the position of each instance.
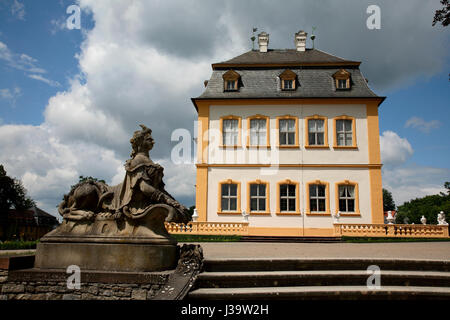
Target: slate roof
(259, 72)
(312, 83)
(285, 56)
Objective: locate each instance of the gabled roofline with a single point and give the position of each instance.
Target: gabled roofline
(376, 99)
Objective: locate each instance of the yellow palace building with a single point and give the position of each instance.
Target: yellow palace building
(289, 139)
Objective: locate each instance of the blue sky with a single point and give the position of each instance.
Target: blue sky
(68, 96)
(37, 35)
(427, 99)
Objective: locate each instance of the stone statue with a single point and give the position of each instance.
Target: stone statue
(423, 220)
(441, 219)
(244, 216)
(336, 217)
(135, 197)
(132, 212)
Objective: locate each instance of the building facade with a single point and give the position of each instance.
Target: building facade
(289, 137)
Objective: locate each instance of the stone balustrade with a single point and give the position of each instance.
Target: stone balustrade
(205, 228)
(391, 230)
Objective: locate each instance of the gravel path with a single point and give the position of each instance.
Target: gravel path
(411, 250)
(407, 250)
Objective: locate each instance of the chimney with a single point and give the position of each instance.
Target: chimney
(300, 40)
(263, 41)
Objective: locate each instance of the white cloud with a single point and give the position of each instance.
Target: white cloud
(414, 181)
(394, 150)
(38, 77)
(24, 62)
(422, 125)
(18, 10)
(11, 94)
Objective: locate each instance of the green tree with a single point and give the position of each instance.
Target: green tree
(428, 206)
(12, 194)
(388, 201)
(443, 15)
(191, 212)
(83, 179)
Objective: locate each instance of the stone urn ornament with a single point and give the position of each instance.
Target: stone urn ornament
(423, 220)
(390, 218)
(195, 215)
(117, 228)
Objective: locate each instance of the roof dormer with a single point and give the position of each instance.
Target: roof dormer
(231, 80)
(288, 80)
(342, 79)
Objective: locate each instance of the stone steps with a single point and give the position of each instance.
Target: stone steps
(296, 264)
(320, 292)
(320, 278)
(325, 278)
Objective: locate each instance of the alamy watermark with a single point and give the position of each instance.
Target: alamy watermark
(74, 278)
(374, 20)
(374, 280)
(74, 20)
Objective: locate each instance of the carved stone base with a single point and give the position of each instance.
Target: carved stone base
(107, 253)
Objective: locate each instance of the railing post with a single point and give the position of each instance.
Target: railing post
(391, 230)
(337, 230)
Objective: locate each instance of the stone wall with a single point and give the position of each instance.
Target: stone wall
(33, 284)
(49, 290)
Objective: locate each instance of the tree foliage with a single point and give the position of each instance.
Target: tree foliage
(443, 15)
(428, 206)
(388, 201)
(83, 179)
(12, 193)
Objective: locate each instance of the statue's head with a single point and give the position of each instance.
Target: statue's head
(142, 141)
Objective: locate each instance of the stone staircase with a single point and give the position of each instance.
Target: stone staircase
(286, 279)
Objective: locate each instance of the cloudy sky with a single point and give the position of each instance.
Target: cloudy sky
(71, 98)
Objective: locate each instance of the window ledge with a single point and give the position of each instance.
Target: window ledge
(289, 213)
(230, 212)
(317, 147)
(346, 147)
(287, 146)
(259, 213)
(230, 147)
(350, 214)
(258, 147)
(318, 214)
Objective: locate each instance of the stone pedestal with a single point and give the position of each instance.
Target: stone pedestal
(124, 255)
(140, 245)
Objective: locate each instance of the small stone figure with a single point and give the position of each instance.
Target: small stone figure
(336, 217)
(423, 220)
(245, 216)
(441, 219)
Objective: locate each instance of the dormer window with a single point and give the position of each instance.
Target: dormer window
(342, 79)
(288, 84)
(231, 80)
(288, 80)
(231, 85)
(342, 84)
